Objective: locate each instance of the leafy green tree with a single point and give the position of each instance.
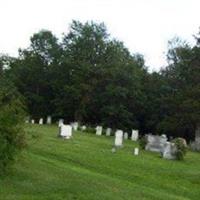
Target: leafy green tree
(88, 77)
(104, 74)
(33, 72)
(11, 118)
(183, 101)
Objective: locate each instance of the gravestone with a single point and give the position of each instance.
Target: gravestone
(169, 151)
(83, 128)
(156, 143)
(197, 135)
(75, 126)
(126, 136)
(108, 131)
(195, 146)
(136, 151)
(27, 119)
(118, 138)
(99, 130)
(135, 135)
(49, 120)
(60, 122)
(113, 150)
(41, 121)
(66, 131)
(32, 121)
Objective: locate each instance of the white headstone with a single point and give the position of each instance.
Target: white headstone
(32, 121)
(169, 151)
(135, 135)
(136, 151)
(195, 145)
(99, 130)
(108, 131)
(118, 138)
(125, 135)
(66, 131)
(155, 143)
(60, 122)
(83, 128)
(75, 126)
(49, 120)
(113, 150)
(27, 120)
(41, 121)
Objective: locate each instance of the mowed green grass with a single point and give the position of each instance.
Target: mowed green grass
(85, 168)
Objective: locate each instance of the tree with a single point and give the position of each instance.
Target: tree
(11, 118)
(33, 72)
(183, 101)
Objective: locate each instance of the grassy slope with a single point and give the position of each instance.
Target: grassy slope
(85, 168)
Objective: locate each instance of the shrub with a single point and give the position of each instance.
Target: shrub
(90, 130)
(142, 142)
(181, 148)
(11, 119)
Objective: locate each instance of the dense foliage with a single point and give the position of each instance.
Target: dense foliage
(181, 148)
(92, 78)
(11, 118)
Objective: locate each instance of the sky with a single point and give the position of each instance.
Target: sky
(145, 26)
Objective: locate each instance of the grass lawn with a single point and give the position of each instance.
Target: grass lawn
(85, 168)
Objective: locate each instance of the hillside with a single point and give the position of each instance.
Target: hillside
(84, 168)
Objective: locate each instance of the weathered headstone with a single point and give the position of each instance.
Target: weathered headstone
(108, 131)
(75, 126)
(197, 133)
(27, 119)
(60, 122)
(32, 121)
(136, 151)
(135, 135)
(118, 138)
(126, 136)
(83, 128)
(156, 143)
(49, 120)
(113, 150)
(41, 121)
(195, 146)
(66, 131)
(169, 151)
(197, 137)
(99, 130)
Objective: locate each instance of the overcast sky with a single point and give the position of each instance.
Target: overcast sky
(144, 26)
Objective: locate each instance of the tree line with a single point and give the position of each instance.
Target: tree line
(88, 76)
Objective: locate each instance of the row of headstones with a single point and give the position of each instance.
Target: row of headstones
(41, 121)
(154, 143)
(99, 130)
(134, 135)
(65, 131)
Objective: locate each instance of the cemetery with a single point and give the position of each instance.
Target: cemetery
(59, 168)
(87, 116)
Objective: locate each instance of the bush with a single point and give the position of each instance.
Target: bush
(142, 142)
(90, 130)
(11, 119)
(181, 148)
